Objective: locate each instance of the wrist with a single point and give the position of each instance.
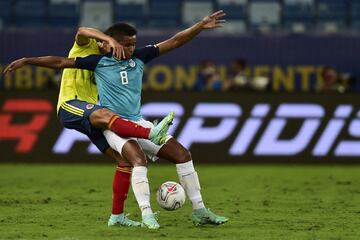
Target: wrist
(109, 39)
(201, 24)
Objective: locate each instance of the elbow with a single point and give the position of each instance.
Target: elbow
(81, 31)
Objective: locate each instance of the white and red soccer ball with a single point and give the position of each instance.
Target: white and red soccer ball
(170, 196)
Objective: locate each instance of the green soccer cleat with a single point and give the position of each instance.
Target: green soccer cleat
(122, 220)
(159, 132)
(204, 216)
(150, 221)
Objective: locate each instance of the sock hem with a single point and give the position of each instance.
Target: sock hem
(112, 120)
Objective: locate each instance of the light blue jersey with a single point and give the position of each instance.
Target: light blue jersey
(119, 82)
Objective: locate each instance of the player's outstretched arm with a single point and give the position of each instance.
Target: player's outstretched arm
(84, 34)
(48, 61)
(209, 22)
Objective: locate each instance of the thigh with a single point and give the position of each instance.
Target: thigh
(97, 137)
(115, 141)
(127, 147)
(133, 153)
(149, 148)
(74, 114)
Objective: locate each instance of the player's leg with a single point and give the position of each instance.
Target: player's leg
(176, 153)
(75, 119)
(121, 182)
(131, 152)
(105, 119)
(173, 151)
(121, 185)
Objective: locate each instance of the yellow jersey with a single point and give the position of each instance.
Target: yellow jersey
(77, 83)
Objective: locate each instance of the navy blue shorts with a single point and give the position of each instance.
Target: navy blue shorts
(74, 114)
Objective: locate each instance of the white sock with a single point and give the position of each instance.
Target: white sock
(190, 181)
(140, 186)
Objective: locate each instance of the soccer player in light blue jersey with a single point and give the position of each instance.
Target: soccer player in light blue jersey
(119, 85)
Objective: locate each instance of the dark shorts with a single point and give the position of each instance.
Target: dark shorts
(74, 114)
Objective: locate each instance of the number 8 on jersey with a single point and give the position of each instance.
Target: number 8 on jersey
(124, 77)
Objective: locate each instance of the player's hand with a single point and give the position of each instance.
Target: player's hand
(118, 50)
(214, 20)
(15, 65)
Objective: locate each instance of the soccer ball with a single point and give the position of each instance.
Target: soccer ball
(170, 196)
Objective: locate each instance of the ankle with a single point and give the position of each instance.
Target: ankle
(116, 215)
(197, 203)
(146, 210)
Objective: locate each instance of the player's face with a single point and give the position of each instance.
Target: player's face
(129, 43)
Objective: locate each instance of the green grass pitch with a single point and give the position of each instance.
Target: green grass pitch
(263, 202)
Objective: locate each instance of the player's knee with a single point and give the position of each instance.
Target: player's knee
(104, 114)
(101, 117)
(139, 162)
(122, 162)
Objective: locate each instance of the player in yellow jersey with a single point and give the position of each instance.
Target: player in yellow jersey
(77, 109)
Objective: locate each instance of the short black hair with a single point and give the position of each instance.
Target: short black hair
(120, 30)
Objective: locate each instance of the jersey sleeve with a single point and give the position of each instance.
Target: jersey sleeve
(146, 54)
(89, 63)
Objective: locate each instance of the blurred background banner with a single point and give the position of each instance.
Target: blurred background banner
(217, 128)
(289, 63)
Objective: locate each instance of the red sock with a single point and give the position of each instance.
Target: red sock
(125, 128)
(121, 185)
